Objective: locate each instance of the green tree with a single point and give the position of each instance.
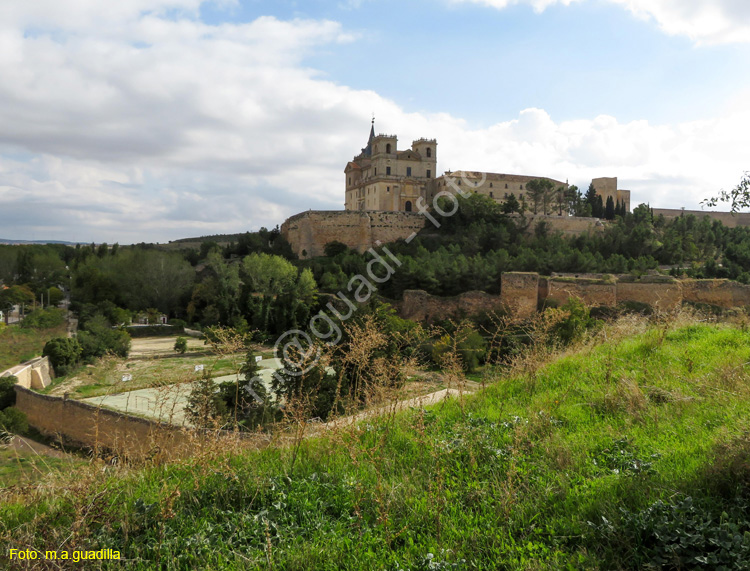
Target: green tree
(7, 392)
(205, 407)
(540, 192)
(609, 211)
(180, 345)
(64, 354)
(737, 198)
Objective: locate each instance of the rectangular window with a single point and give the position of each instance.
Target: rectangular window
(408, 171)
(387, 188)
(376, 171)
(387, 170)
(429, 173)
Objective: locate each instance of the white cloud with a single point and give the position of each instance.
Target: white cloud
(159, 127)
(704, 21)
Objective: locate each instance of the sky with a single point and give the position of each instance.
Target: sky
(153, 120)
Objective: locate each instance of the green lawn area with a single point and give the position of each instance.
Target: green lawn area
(626, 455)
(18, 345)
(25, 467)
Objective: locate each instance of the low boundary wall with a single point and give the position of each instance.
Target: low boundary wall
(81, 424)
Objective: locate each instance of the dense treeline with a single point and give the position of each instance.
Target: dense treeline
(256, 284)
(473, 247)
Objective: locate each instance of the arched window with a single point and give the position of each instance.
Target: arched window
(429, 152)
(388, 148)
(407, 206)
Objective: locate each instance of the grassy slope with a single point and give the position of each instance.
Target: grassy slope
(508, 479)
(18, 345)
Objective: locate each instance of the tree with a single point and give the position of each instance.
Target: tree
(609, 211)
(7, 392)
(738, 197)
(180, 345)
(15, 295)
(64, 354)
(510, 204)
(540, 190)
(205, 407)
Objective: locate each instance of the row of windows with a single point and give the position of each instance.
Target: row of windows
(388, 173)
(428, 152)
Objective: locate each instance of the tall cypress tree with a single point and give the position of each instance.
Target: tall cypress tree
(609, 211)
(598, 209)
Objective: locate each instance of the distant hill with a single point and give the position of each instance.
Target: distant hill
(22, 242)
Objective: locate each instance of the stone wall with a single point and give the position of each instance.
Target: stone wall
(567, 225)
(309, 232)
(519, 292)
(723, 293)
(421, 306)
(81, 424)
(591, 291)
(34, 374)
(660, 292)
(726, 218)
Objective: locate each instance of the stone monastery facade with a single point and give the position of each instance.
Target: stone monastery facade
(383, 178)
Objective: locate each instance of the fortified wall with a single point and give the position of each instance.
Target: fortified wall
(522, 293)
(309, 232)
(726, 218)
(34, 374)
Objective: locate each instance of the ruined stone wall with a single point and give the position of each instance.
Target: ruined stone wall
(82, 424)
(591, 291)
(726, 218)
(419, 305)
(309, 232)
(660, 292)
(723, 293)
(519, 292)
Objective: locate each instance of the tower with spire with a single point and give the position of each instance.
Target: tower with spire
(383, 178)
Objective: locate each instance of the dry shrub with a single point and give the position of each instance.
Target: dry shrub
(730, 470)
(626, 397)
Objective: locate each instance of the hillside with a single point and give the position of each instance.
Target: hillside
(618, 455)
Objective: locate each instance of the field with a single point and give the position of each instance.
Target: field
(152, 363)
(630, 454)
(18, 345)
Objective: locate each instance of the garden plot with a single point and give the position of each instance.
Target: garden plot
(167, 403)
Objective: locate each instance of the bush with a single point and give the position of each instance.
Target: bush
(576, 323)
(469, 344)
(7, 393)
(13, 420)
(44, 319)
(64, 354)
(180, 345)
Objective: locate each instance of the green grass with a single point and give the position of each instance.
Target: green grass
(628, 454)
(18, 345)
(26, 467)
